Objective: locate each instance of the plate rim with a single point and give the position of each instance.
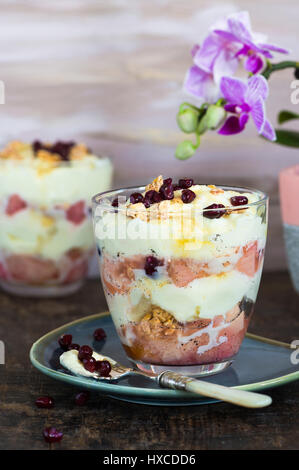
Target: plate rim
(107, 388)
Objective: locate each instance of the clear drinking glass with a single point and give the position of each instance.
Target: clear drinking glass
(46, 236)
(180, 287)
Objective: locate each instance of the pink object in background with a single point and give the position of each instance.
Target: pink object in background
(289, 200)
(289, 195)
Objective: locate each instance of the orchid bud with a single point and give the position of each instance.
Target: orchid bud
(187, 120)
(185, 150)
(212, 119)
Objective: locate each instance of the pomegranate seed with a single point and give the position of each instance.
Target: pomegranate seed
(52, 435)
(99, 334)
(89, 364)
(135, 198)
(186, 183)
(239, 200)
(167, 181)
(81, 398)
(64, 341)
(103, 368)
(151, 263)
(153, 196)
(85, 352)
(74, 346)
(166, 191)
(44, 402)
(188, 196)
(214, 214)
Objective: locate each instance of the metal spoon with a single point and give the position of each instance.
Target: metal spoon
(169, 379)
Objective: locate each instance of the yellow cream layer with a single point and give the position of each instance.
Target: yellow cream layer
(30, 232)
(43, 185)
(187, 235)
(202, 298)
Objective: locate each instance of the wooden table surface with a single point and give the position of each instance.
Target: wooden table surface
(104, 423)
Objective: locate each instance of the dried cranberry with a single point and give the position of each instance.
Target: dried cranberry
(44, 402)
(216, 211)
(151, 263)
(188, 196)
(103, 368)
(81, 398)
(239, 200)
(89, 364)
(85, 352)
(64, 341)
(52, 435)
(135, 198)
(99, 334)
(166, 191)
(186, 183)
(115, 202)
(74, 346)
(176, 187)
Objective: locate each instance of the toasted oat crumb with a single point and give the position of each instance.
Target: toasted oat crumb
(78, 152)
(14, 150)
(155, 184)
(159, 319)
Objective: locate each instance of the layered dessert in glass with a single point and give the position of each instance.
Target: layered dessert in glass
(46, 234)
(181, 265)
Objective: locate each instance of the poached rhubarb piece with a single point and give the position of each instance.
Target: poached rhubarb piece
(76, 213)
(157, 340)
(15, 204)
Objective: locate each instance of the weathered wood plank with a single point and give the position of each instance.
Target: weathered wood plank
(111, 73)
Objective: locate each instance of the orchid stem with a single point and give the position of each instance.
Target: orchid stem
(287, 64)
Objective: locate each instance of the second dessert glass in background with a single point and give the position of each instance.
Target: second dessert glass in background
(46, 237)
(181, 266)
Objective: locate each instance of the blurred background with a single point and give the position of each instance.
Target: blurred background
(110, 73)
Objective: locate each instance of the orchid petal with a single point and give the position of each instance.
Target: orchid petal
(274, 48)
(269, 131)
(243, 17)
(194, 49)
(201, 85)
(254, 64)
(258, 115)
(226, 35)
(239, 29)
(257, 88)
(206, 55)
(231, 108)
(225, 64)
(233, 125)
(233, 90)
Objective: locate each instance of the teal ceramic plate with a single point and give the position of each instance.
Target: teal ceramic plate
(260, 364)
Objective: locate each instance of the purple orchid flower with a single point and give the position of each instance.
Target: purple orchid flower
(201, 84)
(238, 31)
(244, 99)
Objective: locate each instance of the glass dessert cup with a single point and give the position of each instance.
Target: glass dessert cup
(181, 285)
(46, 237)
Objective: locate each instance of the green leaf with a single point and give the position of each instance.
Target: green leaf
(287, 138)
(285, 116)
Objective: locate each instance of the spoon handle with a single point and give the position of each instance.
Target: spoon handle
(170, 379)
